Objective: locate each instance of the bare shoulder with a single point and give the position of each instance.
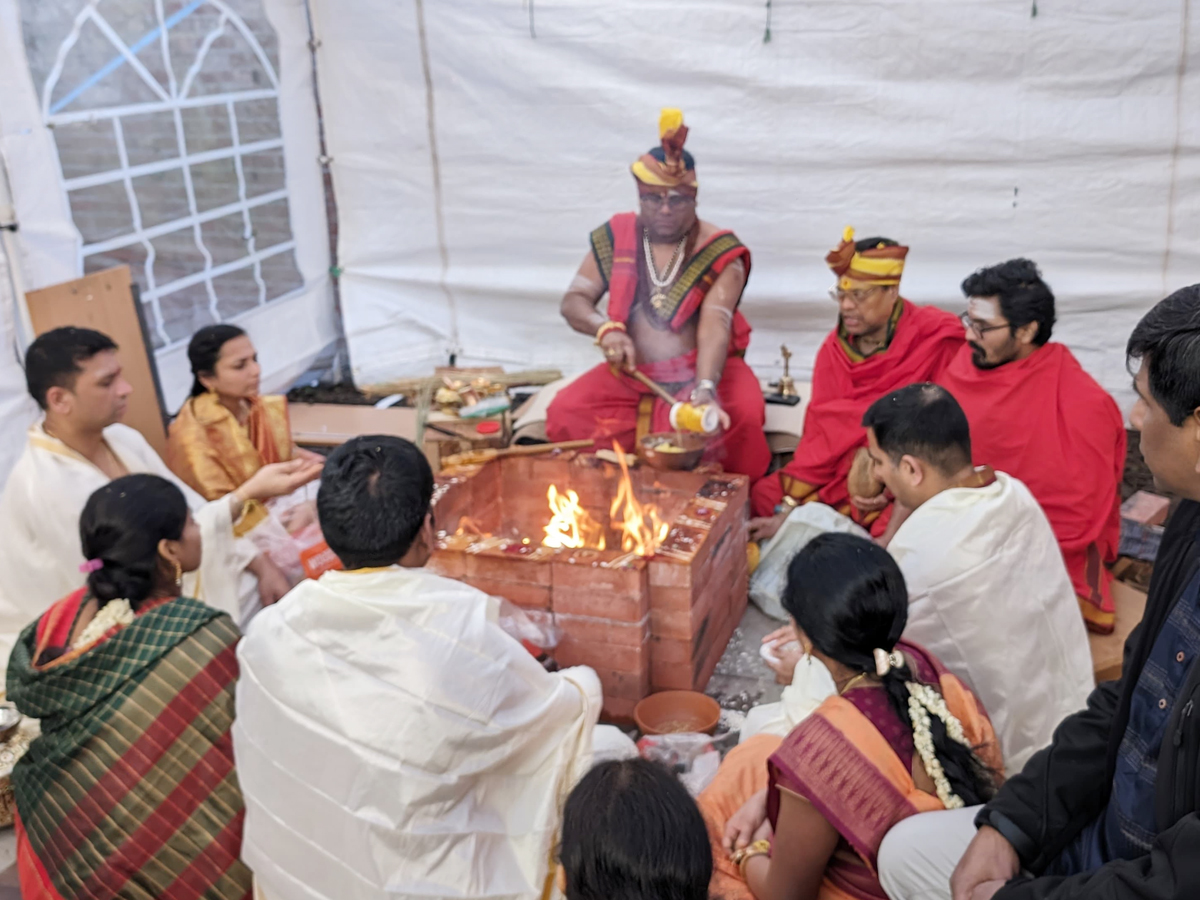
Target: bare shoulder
(707, 230)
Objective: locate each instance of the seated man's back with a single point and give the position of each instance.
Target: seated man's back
(999, 609)
(391, 740)
(988, 592)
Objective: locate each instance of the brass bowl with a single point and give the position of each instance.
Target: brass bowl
(684, 460)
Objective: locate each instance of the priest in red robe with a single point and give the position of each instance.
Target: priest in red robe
(1037, 415)
(882, 342)
(674, 284)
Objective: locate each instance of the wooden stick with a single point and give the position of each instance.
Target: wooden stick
(662, 392)
(477, 457)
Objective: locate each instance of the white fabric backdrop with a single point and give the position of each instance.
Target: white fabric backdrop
(973, 131)
(289, 333)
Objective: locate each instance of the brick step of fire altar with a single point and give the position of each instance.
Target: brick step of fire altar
(644, 571)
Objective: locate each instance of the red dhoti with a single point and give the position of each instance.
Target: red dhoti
(605, 407)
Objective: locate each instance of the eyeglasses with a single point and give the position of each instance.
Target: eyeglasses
(978, 327)
(675, 202)
(858, 298)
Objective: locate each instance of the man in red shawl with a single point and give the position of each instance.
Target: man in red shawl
(882, 342)
(674, 284)
(1038, 416)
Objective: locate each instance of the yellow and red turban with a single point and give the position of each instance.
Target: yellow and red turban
(882, 264)
(668, 166)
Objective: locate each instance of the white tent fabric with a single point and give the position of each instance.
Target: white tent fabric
(289, 333)
(475, 144)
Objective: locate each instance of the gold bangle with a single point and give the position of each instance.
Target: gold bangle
(790, 501)
(761, 847)
(606, 328)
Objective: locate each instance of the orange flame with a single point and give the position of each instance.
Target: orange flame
(642, 529)
(570, 524)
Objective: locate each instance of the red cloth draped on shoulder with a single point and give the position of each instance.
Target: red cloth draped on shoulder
(603, 406)
(723, 248)
(1046, 422)
(924, 342)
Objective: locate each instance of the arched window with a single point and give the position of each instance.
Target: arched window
(165, 115)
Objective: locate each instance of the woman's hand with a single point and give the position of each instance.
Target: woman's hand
(785, 668)
(279, 479)
(301, 453)
(743, 825)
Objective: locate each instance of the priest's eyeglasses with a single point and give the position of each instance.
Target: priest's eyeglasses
(858, 298)
(675, 201)
(978, 327)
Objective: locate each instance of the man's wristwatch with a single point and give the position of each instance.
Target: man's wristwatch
(704, 384)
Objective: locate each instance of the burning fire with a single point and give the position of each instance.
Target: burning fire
(570, 524)
(640, 525)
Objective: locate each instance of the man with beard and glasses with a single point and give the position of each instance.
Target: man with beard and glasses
(1037, 415)
(674, 284)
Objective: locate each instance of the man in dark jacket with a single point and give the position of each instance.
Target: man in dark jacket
(1110, 809)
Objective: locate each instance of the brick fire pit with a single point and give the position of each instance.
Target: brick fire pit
(643, 623)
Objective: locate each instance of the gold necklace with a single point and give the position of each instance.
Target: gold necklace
(849, 684)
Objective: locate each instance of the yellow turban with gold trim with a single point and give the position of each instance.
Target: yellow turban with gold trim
(882, 264)
(668, 166)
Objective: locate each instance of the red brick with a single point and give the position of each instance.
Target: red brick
(672, 650)
(624, 685)
(508, 568)
(611, 657)
(529, 596)
(618, 710)
(671, 598)
(627, 580)
(684, 624)
(604, 631)
(667, 573)
(574, 601)
(448, 563)
(671, 677)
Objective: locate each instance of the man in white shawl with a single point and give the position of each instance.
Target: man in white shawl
(988, 591)
(79, 446)
(391, 740)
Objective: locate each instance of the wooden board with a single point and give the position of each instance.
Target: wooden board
(1108, 649)
(105, 302)
(332, 424)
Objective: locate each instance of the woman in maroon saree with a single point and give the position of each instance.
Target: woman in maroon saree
(803, 819)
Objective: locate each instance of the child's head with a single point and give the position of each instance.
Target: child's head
(632, 832)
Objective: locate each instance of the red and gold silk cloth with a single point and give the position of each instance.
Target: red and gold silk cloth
(603, 406)
(924, 340)
(617, 247)
(841, 763)
(882, 265)
(1046, 422)
(671, 172)
(213, 454)
(130, 792)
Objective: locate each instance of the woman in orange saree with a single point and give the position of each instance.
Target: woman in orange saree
(803, 818)
(226, 431)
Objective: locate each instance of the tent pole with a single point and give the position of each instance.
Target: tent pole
(12, 253)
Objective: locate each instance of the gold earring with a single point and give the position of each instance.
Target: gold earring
(178, 575)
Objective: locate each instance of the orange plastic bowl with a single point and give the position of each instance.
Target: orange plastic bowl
(672, 712)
